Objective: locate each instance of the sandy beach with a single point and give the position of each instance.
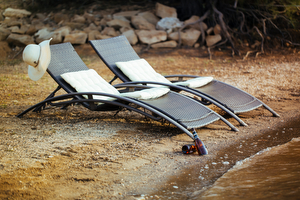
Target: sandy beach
(79, 154)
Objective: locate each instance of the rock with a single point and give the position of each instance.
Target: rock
(12, 22)
(126, 14)
(118, 23)
(188, 37)
(167, 44)
(212, 39)
(110, 31)
(18, 13)
(43, 34)
(4, 33)
(76, 38)
(91, 27)
(59, 34)
(151, 36)
(94, 35)
(75, 25)
(60, 17)
(210, 30)
(21, 30)
(141, 23)
(150, 17)
(78, 19)
(193, 19)
(131, 37)
(20, 40)
(65, 30)
(165, 11)
(169, 24)
(90, 18)
(217, 29)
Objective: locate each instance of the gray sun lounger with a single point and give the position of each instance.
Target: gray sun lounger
(227, 97)
(181, 111)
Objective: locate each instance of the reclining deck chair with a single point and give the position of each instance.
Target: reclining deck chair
(227, 97)
(179, 110)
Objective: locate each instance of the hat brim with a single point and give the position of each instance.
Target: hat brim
(35, 73)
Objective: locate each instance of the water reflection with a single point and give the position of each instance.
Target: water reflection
(273, 174)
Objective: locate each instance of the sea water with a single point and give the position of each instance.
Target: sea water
(272, 172)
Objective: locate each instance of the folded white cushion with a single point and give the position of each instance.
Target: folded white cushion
(91, 81)
(152, 93)
(141, 70)
(196, 82)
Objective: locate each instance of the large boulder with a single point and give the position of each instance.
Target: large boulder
(17, 13)
(151, 36)
(165, 11)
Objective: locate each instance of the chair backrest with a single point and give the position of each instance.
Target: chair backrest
(64, 59)
(112, 50)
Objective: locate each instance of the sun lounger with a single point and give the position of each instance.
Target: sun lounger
(86, 87)
(227, 97)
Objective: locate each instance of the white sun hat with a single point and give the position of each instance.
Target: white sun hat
(38, 58)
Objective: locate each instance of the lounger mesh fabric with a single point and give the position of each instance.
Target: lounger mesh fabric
(118, 49)
(186, 111)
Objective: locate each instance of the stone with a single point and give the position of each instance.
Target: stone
(126, 14)
(217, 29)
(20, 40)
(151, 36)
(167, 44)
(210, 30)
(75, 25)
(141, 23)
(193, 19)
(212, 39)
(90, 18)
(78, 19)
(4, 33)
(118, 23)
(91, 27)
(165, 11)
(110, 31)
(131, 37)
(12, 22)
(43, 34)
(150, 17)
(169, 24)
(18, 13)
(188, 37)
(76, 38)
(94, 35)
(60, 17)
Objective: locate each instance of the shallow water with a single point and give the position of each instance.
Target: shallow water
(274, 173)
